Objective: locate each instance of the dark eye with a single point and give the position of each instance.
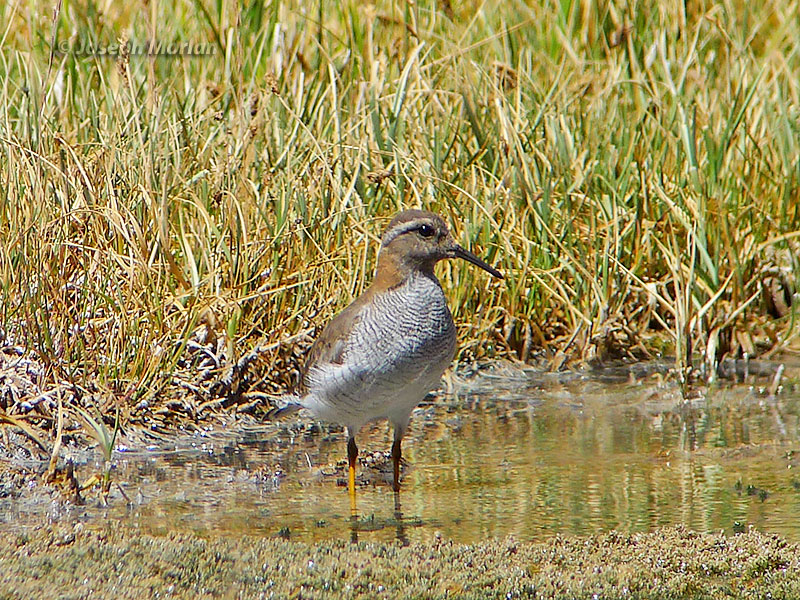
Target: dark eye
(426, 231)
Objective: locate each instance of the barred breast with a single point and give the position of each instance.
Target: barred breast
(396, 353)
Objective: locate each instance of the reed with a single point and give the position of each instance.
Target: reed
(633, 170)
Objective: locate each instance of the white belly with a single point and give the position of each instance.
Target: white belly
(399, 348)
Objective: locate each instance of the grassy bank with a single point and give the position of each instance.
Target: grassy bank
(633, 169)
(671, 563)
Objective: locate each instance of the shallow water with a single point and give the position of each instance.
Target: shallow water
(505, 453)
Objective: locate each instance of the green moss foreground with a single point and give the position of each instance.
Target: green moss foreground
(670, 563)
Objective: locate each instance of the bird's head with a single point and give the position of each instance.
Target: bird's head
(418, 239)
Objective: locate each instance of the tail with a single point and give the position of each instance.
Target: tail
(287, 409)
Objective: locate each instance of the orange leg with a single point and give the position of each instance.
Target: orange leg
(352, 456)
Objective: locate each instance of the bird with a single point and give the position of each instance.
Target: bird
(381, 355)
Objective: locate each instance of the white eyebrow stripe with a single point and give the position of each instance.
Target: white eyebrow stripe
(402, 228)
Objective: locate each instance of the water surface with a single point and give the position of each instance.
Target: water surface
(506, 452)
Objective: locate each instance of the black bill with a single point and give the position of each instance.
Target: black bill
(459, 252)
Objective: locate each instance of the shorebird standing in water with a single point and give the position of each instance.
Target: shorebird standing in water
(381, 355)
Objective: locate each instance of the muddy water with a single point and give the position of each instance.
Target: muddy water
(506, 452)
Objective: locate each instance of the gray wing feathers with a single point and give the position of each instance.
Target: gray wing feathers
(286, 410)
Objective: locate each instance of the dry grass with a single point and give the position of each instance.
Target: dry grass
(632, 168)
